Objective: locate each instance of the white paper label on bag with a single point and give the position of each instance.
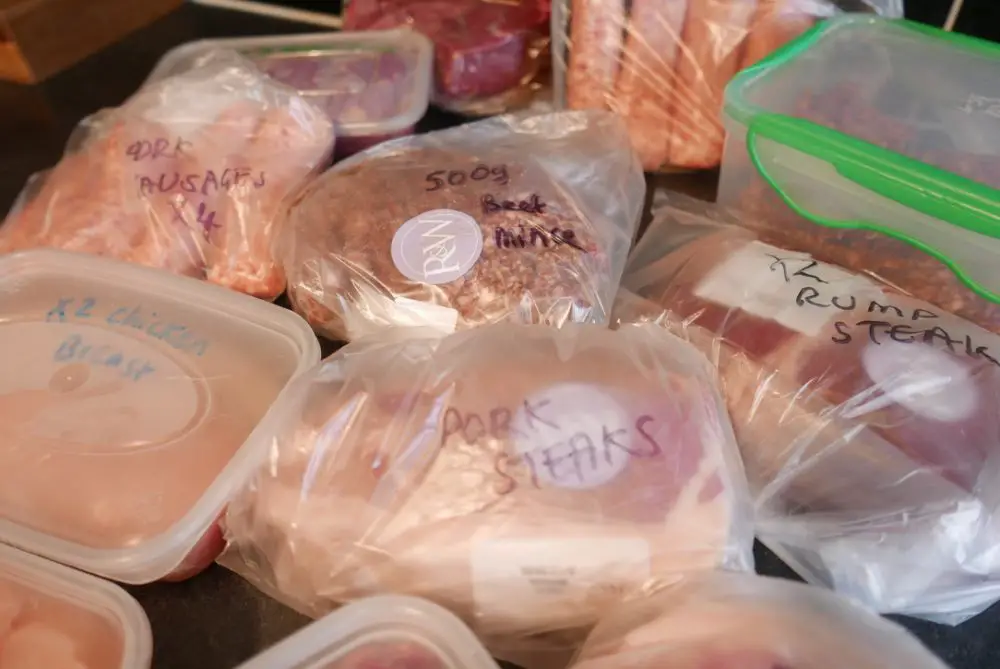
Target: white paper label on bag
(563, 431)
(766, 281)
(512, 576)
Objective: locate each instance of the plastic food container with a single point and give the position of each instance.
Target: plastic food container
(52, 617)
(385, 631)
(873, 144)
(374, 85)
(132, 402)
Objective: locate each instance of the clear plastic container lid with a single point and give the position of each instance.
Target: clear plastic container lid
(885, 126)
(383, 631)
(370, 83)
(52, 616)
(132, 402)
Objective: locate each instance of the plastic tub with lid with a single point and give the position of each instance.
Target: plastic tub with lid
(132, 403)
(875, 144)
(374, 85)
(383, 631)
(52, 617)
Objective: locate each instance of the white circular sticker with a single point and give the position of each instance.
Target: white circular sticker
(90, 390)
(437, 246)
(927, 381)
(573, 436)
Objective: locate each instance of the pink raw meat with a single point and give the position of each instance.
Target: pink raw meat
(740, 621)
(39, 647)
(478, 470)
(482, 49)
(186, 176)
(11, 606)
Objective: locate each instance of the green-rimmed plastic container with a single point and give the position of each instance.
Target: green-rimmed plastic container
(885, 132)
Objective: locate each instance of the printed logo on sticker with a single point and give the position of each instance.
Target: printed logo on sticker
(564, 431)
(437, 246)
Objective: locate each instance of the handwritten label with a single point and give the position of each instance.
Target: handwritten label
(85, 388)
(764, 280)
(514, 575)
(523, 237)
(188, 189)
(133, 317)
(439, 179)
(205, 183)
(532, 205)
(437, 246)
(154, 149)
(570, 436)
(807, 296)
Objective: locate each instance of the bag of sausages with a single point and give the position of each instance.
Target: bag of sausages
(487, 54)
(664, 64)
(524, 218)
(522, 476)
(739, 621)
(187, 175)
(866, 417)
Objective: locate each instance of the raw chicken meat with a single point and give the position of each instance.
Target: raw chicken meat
(524, 477)
(735, 621)
(187, 176)
(39, 647)
(866, 418)
(499, 220)
(131, 394)
(482, 50)
(42, 631)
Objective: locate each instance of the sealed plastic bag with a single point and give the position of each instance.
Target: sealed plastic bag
(737, 621)
(663, 64)
(524, 477)
(486, 53)
(867, 419)
(187, 176)
(523, 218)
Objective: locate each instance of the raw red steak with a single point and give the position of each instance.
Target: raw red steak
(866, 418)
(186, 176)
(522, 476)
(482, 49)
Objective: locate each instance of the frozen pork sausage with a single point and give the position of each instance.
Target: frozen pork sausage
(480, 469)
(524, 218)
(186, 176)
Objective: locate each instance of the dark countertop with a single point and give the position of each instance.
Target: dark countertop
(217, 620)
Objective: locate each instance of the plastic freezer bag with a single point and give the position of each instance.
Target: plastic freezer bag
(664, 64)
(738, 621)
(524, 477)
(524, 218)
(866, 418)
(187, 176)
(486, 54)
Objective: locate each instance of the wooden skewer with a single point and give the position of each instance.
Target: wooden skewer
(956, 7)
(262, 9)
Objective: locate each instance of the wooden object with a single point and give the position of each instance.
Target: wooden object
(39, 38)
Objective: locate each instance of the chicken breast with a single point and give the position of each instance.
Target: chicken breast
(522, 476)
(187, 176)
